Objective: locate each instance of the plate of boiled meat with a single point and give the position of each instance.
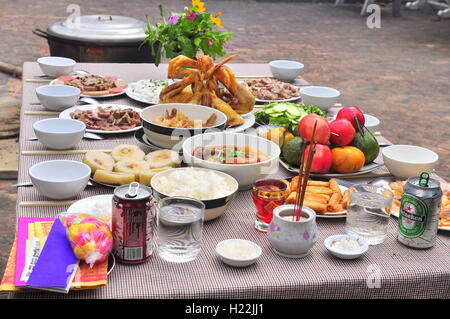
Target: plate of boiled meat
(268, 90)
(93, 85)
(105, 118)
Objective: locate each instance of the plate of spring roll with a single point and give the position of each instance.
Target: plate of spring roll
(328, 199)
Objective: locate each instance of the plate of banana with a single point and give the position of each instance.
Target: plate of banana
(128, 163)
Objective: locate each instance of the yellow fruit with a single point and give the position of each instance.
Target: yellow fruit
(113, 178)
(98, 160)
(163, 158)
(146, 175)
(130, 167)
(279, 135)
(127, 152)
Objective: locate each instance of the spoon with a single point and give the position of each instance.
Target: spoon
(89, 100)
(87, 135)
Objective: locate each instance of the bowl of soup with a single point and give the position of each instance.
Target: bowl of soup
(245, 157)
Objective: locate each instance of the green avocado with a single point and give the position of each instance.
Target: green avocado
(292, 151)
(367, 143)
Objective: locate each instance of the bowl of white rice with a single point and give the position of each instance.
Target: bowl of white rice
(214, 188)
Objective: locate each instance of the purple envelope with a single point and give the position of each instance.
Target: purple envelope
(57, 263)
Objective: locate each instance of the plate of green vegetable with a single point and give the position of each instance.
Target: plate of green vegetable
(285, 114)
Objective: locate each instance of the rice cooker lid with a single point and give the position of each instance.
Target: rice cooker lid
(99, 29)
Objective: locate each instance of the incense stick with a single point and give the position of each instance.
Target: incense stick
(303, 176)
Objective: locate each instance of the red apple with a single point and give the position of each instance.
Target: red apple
(349, 113)
(342, 132)
(322, 160)
(306, 127)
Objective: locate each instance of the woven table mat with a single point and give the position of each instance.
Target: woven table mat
(401, 272)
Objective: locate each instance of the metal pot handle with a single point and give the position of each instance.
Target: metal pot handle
(40, 33)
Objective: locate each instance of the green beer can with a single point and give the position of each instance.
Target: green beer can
(419, 212)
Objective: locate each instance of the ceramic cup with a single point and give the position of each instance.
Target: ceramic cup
(292, 239)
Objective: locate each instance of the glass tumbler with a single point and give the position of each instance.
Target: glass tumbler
(179, 228)
(267, 194)
(368, 213)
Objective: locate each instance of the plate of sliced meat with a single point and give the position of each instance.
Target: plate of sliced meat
(268, 90)
(105, 118)
(93, 85)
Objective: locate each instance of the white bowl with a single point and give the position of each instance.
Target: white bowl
(245, 174)
(286, 70)
(54, 66)
(234, 261)
(364, 247)
(59, 134)
(372, 123)
(60, 179)
(170, 137)
(214, 207)
(404, 161)
(320, 96)
(58, 97)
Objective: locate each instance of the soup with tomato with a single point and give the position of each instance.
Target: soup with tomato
(230, 154)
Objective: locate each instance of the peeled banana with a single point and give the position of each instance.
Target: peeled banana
(163, 158)
(98, 160)
(127, 152)
(113, 178)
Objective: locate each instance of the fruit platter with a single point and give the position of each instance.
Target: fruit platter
(345, 146)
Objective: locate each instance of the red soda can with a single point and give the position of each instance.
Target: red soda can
(133, 223)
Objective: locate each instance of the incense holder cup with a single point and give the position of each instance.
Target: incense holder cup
(290, 238)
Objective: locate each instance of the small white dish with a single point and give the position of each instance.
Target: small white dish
(54, 66)
(59, 134)
(320, 96)
(286, 70)
(372, 123)
(59, 97)
(60, 179)
(238, 258)
(404, 161)
(328, 243)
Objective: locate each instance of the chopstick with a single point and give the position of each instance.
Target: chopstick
(28, 153)
(46, 203)
(41, 113)
(368, 175)
(38, 80)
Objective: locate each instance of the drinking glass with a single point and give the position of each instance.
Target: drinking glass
(368, 213)
(267, 194)
(180, 227)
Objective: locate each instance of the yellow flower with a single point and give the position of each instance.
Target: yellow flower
(217, 20)
(199, 5)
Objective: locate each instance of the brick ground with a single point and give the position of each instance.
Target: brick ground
(400, 72)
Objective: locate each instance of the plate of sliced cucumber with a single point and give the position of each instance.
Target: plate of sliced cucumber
(285, 114)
